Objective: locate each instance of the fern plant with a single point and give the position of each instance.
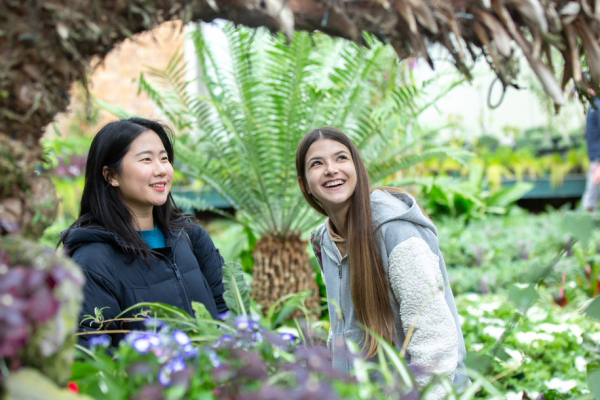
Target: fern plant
(262, 96)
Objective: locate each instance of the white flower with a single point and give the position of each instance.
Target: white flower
(514, 396)
(560, 385)
(493, 331)
(492, 321)
(551, 328)
(490, 307)
(474, 297)
(577, 332)
(476, 346)
(536, 314)
(516, 358)
(595, 336)
(474, 312)
(580, 364)
(528, 337)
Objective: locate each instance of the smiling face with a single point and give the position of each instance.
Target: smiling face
(330, 175)
(145, 175)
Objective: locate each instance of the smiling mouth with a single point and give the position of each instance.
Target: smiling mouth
(158, 185)
(333, 184)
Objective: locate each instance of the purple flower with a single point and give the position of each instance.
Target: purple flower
(223, 340)
(214, 359)
(288, 337)
(224, 316)
(189, 350)
(153, 323)
(168, 369)
(100, 341)
(247, 323)
(181, 338)
(143, 342)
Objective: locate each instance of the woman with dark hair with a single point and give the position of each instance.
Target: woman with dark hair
(381, 264)
(130, 239)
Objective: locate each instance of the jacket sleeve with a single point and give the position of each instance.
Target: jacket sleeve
(418, 286)
(99, 293)
(211, 265)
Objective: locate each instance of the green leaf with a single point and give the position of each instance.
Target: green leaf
(593, 378)
(593, 310)
(237, 292)
(523, 297)
(477, 362)
(28, 383)
(579, 225)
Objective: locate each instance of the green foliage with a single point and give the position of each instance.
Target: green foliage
(467, 199)
(237, 292)
(548, 348)
(262, 95)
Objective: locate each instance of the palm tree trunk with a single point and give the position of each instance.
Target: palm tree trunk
(281, 267)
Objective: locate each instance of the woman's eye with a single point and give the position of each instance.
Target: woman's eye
(146, 159)
(165, 158)
(315, 163)
(342, 158)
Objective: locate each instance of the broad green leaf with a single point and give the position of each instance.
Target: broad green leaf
(237, 292)
(593, 378)
(30, 384)
(205, 325)
(477, 362)
(523, 297)
(579, 225)
(593, 310)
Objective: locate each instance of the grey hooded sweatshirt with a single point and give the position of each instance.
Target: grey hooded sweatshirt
(420, 294)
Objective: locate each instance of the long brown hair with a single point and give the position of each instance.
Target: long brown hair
(368, 281)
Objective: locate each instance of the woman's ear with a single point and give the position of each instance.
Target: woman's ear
(109, 177)
(302, 186)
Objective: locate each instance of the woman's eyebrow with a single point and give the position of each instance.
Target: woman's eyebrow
(313, 158)
(149, 152)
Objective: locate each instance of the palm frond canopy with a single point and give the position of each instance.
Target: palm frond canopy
(263, 95)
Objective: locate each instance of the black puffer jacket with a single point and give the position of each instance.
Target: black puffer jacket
(176, 275)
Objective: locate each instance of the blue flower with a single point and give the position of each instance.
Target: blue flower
(143, 342)
(246, 323)
(100, 341)
(224, 316)
(288, 337)
(214, 359)
(223, 340)
(153, 323)
(189, 350)
(181, 338)
(166, 371)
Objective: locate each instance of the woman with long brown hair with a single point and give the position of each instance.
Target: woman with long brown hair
(381, 264)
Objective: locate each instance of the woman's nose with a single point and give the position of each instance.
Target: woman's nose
(330, 169)
(160, 170)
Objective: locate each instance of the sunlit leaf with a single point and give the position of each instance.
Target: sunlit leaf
(523, 297)
(593, 378)
(593, 310)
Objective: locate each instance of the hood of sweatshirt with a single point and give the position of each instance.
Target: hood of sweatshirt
(78, 237)
(387, 206)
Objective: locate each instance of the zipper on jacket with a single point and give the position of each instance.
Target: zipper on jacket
(186, 297)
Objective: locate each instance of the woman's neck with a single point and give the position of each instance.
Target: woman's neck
(144, 221)
(338, 218)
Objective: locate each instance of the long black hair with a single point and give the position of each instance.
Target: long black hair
(101, 206)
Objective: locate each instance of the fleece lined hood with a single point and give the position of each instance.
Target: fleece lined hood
(389, 206)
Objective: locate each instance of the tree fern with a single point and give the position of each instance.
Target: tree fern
(263, 95)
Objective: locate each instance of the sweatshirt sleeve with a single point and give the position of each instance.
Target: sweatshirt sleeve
(211, 265)
(418, 286)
